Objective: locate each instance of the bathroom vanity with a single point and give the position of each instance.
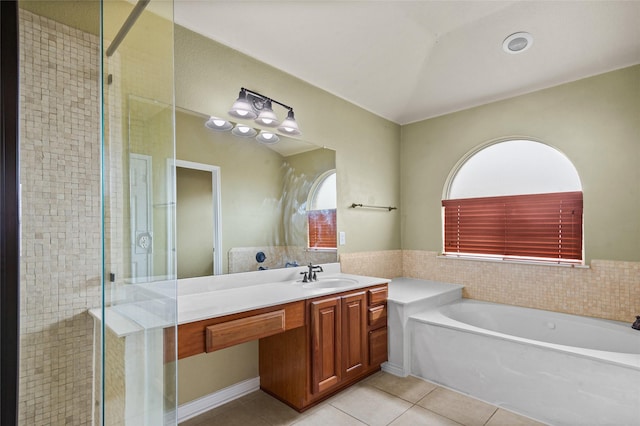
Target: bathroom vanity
(314, 340)
(344, 339)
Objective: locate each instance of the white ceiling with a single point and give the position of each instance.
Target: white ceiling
(410, 60)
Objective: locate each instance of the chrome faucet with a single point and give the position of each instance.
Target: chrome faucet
(311, 275)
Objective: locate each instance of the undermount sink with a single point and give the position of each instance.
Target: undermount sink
(330, 283)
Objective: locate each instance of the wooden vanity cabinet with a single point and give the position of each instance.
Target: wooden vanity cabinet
(377, 325)
(344, 340)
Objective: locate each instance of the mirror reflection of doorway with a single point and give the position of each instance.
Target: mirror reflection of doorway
(196, 212)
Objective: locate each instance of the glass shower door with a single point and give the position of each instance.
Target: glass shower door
(137, 384)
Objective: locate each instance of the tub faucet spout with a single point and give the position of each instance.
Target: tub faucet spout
(636, 324)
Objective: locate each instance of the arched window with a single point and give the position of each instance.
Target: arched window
(321, 213)
(516, 199)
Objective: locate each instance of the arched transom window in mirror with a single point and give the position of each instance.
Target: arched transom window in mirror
(321, 212)
(515, 199)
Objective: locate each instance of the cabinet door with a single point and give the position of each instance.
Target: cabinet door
(326, 341)
(354, 334)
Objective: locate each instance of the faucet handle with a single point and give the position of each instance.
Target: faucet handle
(305, 279)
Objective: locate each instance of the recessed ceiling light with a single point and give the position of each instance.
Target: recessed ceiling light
(517, 43)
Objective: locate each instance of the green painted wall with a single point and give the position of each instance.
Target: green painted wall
(594, 121)
(194, 223)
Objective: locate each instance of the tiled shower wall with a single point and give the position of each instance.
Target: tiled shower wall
(606, 289)
(60, 259)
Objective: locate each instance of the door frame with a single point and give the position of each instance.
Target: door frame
(216, 209)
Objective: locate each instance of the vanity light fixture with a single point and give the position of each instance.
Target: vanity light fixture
(267, 137)
(218, 124)
(517, 42)
(253, 105)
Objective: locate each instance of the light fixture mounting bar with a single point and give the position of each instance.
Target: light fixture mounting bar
(265, 98)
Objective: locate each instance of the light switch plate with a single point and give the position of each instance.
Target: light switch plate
(343, 237)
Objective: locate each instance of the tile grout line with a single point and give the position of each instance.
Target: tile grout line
(424, 408)
(342, 411)
(491, 416)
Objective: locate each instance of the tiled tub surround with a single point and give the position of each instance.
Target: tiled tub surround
(605, 289)
(387, 264)
(557, 368)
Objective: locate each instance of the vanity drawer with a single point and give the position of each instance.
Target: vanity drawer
(193, 337)
(377, 295)
(230, 333)
(377, 316)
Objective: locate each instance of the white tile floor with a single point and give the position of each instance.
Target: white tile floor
(380, 400)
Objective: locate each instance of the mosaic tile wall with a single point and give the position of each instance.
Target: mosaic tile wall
(383, 264)
(60, 263)
(607, 289)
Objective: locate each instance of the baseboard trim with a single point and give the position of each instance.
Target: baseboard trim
(216, 399)
(394, 369)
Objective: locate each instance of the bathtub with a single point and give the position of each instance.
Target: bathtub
(559, 369)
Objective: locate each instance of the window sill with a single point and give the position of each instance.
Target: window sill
(325, 250)
(512, 261)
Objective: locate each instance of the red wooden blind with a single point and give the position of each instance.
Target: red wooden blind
(322, 228)
(537, 225)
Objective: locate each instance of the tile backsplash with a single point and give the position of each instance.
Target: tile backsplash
(244, 259)
(383, 264)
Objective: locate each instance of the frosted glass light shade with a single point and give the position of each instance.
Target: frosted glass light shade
(289, 125)
(267, 137)
(242, 108)
(244, 131)
(218, 124)
(267, 117)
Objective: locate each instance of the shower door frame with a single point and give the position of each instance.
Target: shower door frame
(9, 212)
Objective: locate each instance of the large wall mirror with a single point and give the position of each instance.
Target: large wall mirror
(243, 205)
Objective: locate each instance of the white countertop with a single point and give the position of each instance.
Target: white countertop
(408, 290)
(212, 304)
(142, 306)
